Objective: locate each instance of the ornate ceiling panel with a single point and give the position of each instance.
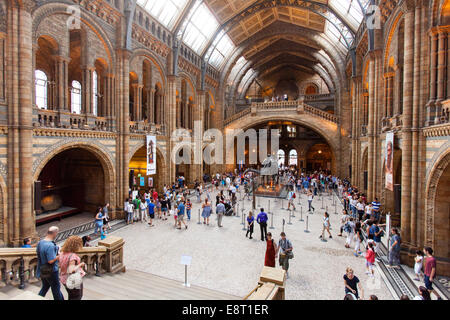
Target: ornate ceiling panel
(226, 9)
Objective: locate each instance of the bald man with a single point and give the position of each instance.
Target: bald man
(48, 257)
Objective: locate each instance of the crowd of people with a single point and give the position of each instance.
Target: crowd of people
(361, 220)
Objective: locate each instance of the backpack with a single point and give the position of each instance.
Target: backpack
(294, 196)
(347, 227)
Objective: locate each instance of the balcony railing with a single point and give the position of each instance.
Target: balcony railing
(142, 127)
(18, 265)
(296, 106)
(66, 120)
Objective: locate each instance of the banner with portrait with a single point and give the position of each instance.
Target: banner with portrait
(151, 155)
(389, 161)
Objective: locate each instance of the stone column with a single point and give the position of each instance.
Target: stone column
(407, 124)
(86, 89)
(151, 105)
(370, 128)
(441, 69)
(19, 218)
(62, 65)
(171, 108)
(354, 137)
(431, 108)
(121, 96)
(416, 125)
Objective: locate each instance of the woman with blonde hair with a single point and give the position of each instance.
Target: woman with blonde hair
(72, 267)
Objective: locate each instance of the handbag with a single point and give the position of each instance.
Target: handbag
(46, 269)
(74, 280)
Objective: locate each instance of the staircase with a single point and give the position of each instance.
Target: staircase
(130, 285)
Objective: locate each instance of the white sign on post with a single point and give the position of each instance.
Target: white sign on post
(388, 230)
(186, 260)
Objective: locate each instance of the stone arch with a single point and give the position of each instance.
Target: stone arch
(147, 54)
(45, 11)
(162, 165)
(327, 130)
(388, 40)
(435, 219)
(107, 162)
(190, 81)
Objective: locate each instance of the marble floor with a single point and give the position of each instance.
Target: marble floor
(224, 259)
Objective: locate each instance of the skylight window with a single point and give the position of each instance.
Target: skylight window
(165, 11)
(350, 11)
(200, 29)
(223, 47)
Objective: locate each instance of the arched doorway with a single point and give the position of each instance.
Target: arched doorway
(319, 158)
(74, 181)
(138, 167)
(438, 214)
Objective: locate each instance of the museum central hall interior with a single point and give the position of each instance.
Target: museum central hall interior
(224, 150)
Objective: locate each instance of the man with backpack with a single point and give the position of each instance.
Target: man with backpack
(376, 233)
(47, 268)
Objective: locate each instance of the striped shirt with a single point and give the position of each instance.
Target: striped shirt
(376, 205)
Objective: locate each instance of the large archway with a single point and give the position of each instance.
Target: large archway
(73, 181)
(438, 214)
(296, 137)
(138, 171)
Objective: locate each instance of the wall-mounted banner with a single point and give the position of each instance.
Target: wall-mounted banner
(389, 161)
(151, 155)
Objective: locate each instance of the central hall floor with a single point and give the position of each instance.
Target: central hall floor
(224, 259)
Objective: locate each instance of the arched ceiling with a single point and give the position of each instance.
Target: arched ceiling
(247, 38)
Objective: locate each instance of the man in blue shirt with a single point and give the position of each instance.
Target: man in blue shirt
(262, 220)
(26, 243)
(180, 217)
(48, 253)
(220, 210)
(376, 209)
(151, 211)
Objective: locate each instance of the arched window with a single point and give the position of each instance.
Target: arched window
(76, 97)
(41, 89)
(95, 93)
(281, 158)
(293, 157)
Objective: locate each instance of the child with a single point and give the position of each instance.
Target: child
(188, 209)
(175, 216)
(326, 226)
(418, 265)
(370, 259)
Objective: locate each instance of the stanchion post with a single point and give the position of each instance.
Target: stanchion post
(307, 224)
(289, 218)
(237, 213)
(284, 222)
(322, 203)
(335, 210)
(199, 222)
(301, 214)
(271, 223)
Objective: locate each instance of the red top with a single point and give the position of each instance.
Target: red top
(430, 263)
(155, 195)
(270, 254)
(370, 256)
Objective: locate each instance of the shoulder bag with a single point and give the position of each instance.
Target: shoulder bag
(74, 280)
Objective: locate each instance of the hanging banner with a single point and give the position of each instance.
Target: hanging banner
(151, 155)
(389, 161)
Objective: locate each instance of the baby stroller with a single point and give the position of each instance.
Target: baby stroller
(228, 209)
